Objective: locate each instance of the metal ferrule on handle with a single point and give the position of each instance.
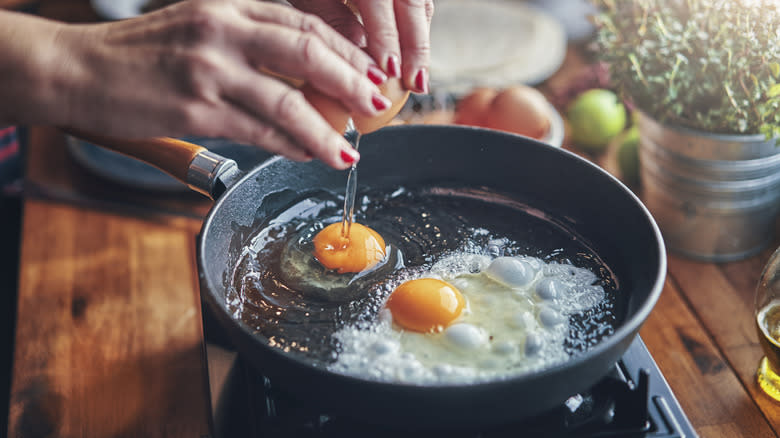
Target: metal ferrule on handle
(193, 165)
(207, 173)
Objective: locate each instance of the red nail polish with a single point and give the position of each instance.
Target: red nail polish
(376, 75)
(393, 66)
(380, 102)
(348, 157)
(421, 81)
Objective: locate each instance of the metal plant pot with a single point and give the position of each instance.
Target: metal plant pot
(715, 197)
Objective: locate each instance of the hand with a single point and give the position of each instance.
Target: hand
(395, 32)
(194, 68)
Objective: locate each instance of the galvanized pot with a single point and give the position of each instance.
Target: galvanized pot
(715, 197)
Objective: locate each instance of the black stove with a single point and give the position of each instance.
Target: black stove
(632, 400)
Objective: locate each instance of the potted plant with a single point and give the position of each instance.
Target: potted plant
(703, 78)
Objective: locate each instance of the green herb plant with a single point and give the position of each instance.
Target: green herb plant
(710, 65)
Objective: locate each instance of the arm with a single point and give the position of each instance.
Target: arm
(195, 68)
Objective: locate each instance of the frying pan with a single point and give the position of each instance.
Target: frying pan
(581, 197)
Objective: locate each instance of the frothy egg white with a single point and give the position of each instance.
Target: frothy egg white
(515, 320)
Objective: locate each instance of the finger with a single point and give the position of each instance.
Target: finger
(269, 99)
(381, 34)
(243, 127)
(303, 55)
(414, 21)
(338, 16)
(309, 23)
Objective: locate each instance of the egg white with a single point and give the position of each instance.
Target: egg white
(515, 320)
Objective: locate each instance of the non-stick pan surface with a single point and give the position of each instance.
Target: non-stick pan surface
(578, 194)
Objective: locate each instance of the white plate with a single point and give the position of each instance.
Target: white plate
(557, 129)
(493, 43)
(118, 9)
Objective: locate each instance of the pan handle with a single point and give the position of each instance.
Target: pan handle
(211, 174)
(200, 169)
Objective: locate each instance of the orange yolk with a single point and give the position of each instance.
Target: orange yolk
(362, 249)
(425, 305)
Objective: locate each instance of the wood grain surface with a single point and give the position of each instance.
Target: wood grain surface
(109, 338)
(715, 399)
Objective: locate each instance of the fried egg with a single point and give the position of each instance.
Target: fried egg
(323, 264)
(360, 249)
(425, 305)
(470, 317)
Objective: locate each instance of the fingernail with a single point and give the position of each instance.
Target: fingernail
(380, 102)
(421, 80)
(376, 75)
(393, 66)
(349, 156)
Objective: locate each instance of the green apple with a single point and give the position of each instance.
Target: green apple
(596, 116)
(628, 155)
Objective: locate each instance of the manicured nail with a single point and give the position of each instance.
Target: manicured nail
(376, 75)
(421, 80)
(380, 102)
(349, 156)
(393, 66)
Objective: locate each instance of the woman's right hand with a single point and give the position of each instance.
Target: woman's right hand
(196, 68)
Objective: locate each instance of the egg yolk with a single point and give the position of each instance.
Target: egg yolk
(425, 305)
(361, 249)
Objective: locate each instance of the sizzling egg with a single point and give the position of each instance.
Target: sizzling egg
(425, 304)
(361, 249)
(513, 318)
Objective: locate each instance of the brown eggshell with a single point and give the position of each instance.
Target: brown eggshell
(473, 107)
(521, 110)
(337, 114)
(392, 89)
(333, 111)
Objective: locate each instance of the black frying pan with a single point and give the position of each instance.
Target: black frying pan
(581, 196)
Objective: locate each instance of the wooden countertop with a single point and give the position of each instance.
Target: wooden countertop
(109, 337)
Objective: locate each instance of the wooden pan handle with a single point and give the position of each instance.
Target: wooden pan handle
(174, 156)
(167, 154)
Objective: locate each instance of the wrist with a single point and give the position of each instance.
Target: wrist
(38, 68)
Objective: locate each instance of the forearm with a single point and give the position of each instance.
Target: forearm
(194, 68)
(32, 80)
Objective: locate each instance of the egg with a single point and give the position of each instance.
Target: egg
(518, 109)
(550, 288)
(466, 336)
(521, 110)
(333, 111)
(337, 115)
(361, 249)
(425, 304)
(550, 317)
(473, 107)
(511, 271)
(507, 316)
(392, 89)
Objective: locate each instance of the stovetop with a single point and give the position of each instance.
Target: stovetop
(633, 400)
